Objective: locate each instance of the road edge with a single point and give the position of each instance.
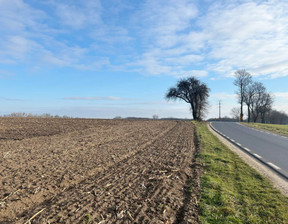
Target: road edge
(279, 180)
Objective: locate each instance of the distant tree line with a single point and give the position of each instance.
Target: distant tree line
(276, 117)
(44, 115)
(153, 118)
(225, 118)
(271, 117)
(254, 95)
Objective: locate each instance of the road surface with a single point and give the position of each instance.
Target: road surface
(270, 148)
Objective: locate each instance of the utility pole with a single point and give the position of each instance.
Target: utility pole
(219, 109)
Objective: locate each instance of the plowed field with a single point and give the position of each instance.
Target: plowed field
(96, 171)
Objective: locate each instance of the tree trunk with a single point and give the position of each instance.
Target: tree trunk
(194, 112)
(262, 118)
(195, 115)
(255, 117)
(249, 116)
(241, 111)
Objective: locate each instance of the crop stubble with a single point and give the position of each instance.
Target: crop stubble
(103, 171)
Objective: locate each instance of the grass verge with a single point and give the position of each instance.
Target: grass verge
(232, 191)
(275, 128)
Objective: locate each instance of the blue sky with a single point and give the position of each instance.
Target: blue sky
(112, 58)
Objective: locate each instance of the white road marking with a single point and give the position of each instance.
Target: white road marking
(274, 166)
(257, 156)
(247, 149)
(239, 144)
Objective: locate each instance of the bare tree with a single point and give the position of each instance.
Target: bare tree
(155, 117)
(259, 89)
(265, 106)
(192, 91)
(276, 117)
(261, 102)
(249, 94)
(235, 111)
(243, 79)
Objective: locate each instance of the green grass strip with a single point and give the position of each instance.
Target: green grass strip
(232, 191)
(275, 128)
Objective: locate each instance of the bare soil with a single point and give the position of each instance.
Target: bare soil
(97, 171)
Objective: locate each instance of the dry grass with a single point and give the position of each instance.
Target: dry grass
(233, 192)
(275, 128)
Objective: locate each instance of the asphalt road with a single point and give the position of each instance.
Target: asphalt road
(269, 148)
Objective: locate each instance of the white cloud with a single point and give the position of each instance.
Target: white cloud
(151, 37)
(184, 59)
(228, 36)
(71, 16)
(16, 15)
(196, 73)
(32, 36)
(78, 15)
(281, 95)
(162, 20)
(150, 64)
(280, 101)
(282, 107)
(16, 46)
(162, 23)
(223, 96)
(249, 35)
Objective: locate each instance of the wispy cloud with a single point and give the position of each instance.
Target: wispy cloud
(10, 99)
(226, 37)
(92, 98)
(150, 37)
(249, 35)
(77, 15)
(4, 73)
(35, 37)
(163, 20)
